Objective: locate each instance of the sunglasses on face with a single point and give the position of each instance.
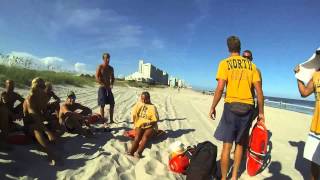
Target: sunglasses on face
(248, 57)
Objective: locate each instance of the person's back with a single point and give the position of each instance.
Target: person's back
(239, 73)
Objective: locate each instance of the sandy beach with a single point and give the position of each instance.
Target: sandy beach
(183, 115)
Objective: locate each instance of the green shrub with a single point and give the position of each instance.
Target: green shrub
(23, 77)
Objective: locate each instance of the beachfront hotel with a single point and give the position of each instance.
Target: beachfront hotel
(149, 73)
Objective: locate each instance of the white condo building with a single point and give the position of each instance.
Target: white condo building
(149, 73)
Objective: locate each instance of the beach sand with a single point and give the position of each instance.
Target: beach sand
(184, 116)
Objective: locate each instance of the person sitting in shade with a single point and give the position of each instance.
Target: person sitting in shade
(53, 107)
(33, 108)
(71, 119)
(145, 117)
(9, 98)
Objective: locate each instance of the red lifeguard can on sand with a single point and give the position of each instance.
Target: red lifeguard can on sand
(179, 163)
(257, 149)
(18, 138)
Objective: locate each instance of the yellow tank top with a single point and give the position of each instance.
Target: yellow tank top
(315, 124)
(143, 114)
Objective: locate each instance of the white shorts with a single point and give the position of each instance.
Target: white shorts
(312, 148)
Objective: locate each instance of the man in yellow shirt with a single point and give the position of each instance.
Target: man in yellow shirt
(239, 75)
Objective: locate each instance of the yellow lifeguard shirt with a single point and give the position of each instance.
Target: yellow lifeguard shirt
(239, 74)
(315, 124)
(144, 113)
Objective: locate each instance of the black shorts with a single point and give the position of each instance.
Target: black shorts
(105, 96)
(232, 127)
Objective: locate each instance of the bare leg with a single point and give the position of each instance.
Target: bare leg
(102, 111)
(74, 122)
(136, 141)
(224, 161)
(314, 171)
(148, 133)
(111, 109)
(42, 141)
(237, 161)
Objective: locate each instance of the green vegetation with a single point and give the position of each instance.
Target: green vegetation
(23, 77)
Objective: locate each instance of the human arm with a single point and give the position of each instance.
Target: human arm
(55, 97)
(217, 97)
(19, 98)
(305, 90)
(98, 75)
(260, 98)
(112, 77)
(85, 111)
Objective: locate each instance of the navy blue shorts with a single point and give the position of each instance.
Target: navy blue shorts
(105, 96)
(232, 127)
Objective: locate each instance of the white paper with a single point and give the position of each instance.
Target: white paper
(308, 67)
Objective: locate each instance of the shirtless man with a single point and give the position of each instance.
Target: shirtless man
(54, 106)
(33, 108)
(72, 120)
(8, 98)
(105, 78)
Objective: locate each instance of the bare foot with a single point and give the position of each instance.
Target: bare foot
(138, 155)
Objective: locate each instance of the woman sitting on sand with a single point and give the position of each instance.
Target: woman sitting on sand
(145, 117)
(33, 108)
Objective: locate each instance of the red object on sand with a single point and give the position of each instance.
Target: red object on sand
(179, 163)
(94, 118)
(132, 133)
(257, 149)
(18, 139)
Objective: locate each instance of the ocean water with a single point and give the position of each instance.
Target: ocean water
(302, 106)
(296, 105)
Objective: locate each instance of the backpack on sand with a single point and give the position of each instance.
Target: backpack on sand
(202, 162)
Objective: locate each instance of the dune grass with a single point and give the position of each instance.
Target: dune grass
(23, 77)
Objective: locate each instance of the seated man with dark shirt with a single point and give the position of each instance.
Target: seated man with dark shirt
(73, 120)
(9, 98)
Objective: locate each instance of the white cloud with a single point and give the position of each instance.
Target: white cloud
(157, 43)
(28, 60)
(23, 54)
(83, 17)
(96, 27)
(52, 60)
(80, 67)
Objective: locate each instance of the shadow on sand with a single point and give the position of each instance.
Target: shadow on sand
(301, 164)
(275, 169)
(173, 119)
(71, 151)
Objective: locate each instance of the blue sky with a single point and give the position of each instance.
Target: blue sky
(186, 38)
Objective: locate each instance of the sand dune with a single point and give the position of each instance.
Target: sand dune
(183, 116)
